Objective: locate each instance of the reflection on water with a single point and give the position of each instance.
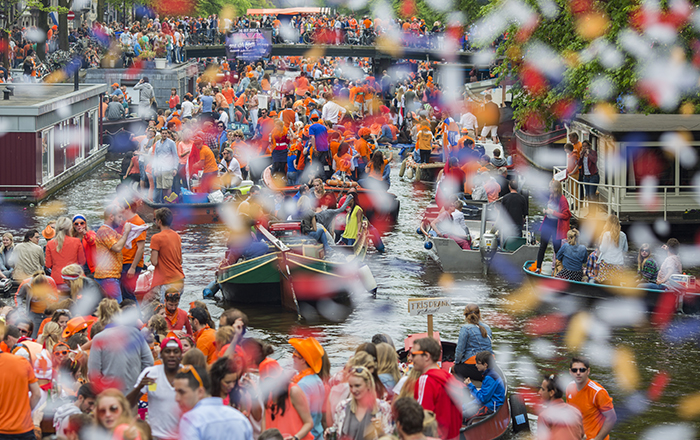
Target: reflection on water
(405, 271)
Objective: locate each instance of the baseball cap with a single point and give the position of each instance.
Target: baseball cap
(171, 342)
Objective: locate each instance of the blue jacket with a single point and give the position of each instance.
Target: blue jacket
(471, 342)
(492, 393)
(572, 257)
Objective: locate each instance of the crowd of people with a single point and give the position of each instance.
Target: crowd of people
(142, 370)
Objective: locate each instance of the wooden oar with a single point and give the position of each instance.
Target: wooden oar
(283, 248)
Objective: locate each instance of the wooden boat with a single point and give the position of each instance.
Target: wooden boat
(203, 213)
(678, 294)
(294, 272)
(453, 259)
(380, 207)
(492, 426)
(426, 172)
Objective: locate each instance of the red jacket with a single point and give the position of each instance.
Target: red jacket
(563, 214)
(431, 392)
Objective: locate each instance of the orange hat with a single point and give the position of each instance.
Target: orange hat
(49, 232)
(75, 325)
(273, 113)
(269, 368)
(115, 85)
(310, 350)
(250, 74)
(364, 131)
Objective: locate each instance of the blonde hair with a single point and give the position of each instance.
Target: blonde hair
(362, 359)
(388, 361)
(410, 384)
(364, 374)
(158, 325)
(12, 241)
(472, 315)
(62, 227)
(106, 310)
(74, 270)
(224, 335)
(50, 335)
(572, 237)
(556, 188)
(126, 416)
(613, 226)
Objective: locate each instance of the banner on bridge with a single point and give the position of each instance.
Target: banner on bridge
(249, 44)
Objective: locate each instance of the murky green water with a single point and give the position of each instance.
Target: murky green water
(406, 271)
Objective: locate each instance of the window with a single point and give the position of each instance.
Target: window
(47, 146)
(93, 132)
(688, 173)
(650, 161)
(79, 135)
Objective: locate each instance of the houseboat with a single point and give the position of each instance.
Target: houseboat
(647, 168)
(50, 135)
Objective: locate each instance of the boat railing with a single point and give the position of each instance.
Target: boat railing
(618, 199)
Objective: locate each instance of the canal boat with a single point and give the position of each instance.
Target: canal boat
(199, 210)
(485, 253)
(295, 272)
(682, 291)
(512, 414)
(381, 207)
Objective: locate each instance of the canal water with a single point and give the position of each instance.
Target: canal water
(407, 270)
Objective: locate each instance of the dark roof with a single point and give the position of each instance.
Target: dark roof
(642, 123)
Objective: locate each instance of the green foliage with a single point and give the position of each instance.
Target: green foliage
(209, 7)
(560, 35)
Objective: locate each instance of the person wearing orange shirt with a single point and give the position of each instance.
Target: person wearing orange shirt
(592, 400)
(573, 139)
(230, 96)
(209, 167)
(16, 404)
(301, 85)
(558, 420)
(132, 255)
(288, 115)
(342, 161)
(166, 255)
(205, 336)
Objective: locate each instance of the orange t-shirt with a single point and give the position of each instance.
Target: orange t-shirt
(209, 159)
(289, 116)
(343, 163)
(108, 264)
(377, 174)
(230, 95)
(265, 84)
(302, 85)
(71, 252)
(240, 102)
(128, 255)
(288, 422)
(169, 247)
(205, 341)
(362, 148)
(593, 400)
(15, 412)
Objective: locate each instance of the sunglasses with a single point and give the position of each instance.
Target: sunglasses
(172, 297)
(297, 355)
(359, 370)
(79, 223)
(62, 352)
(24, 332)
(190, 369)
(62, 311)
(579, 370)
(416, 353)
(114, 409)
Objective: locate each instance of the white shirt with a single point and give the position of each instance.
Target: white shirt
(468, 121)
(163, 411)
(331, 111)
(233, 167)
(224, 117)
(187, 108)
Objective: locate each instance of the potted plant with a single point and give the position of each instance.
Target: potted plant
(160, 55)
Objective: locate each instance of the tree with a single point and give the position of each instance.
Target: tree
(10, 13)
(582, 37)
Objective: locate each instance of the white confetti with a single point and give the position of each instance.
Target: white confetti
(681, 431)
